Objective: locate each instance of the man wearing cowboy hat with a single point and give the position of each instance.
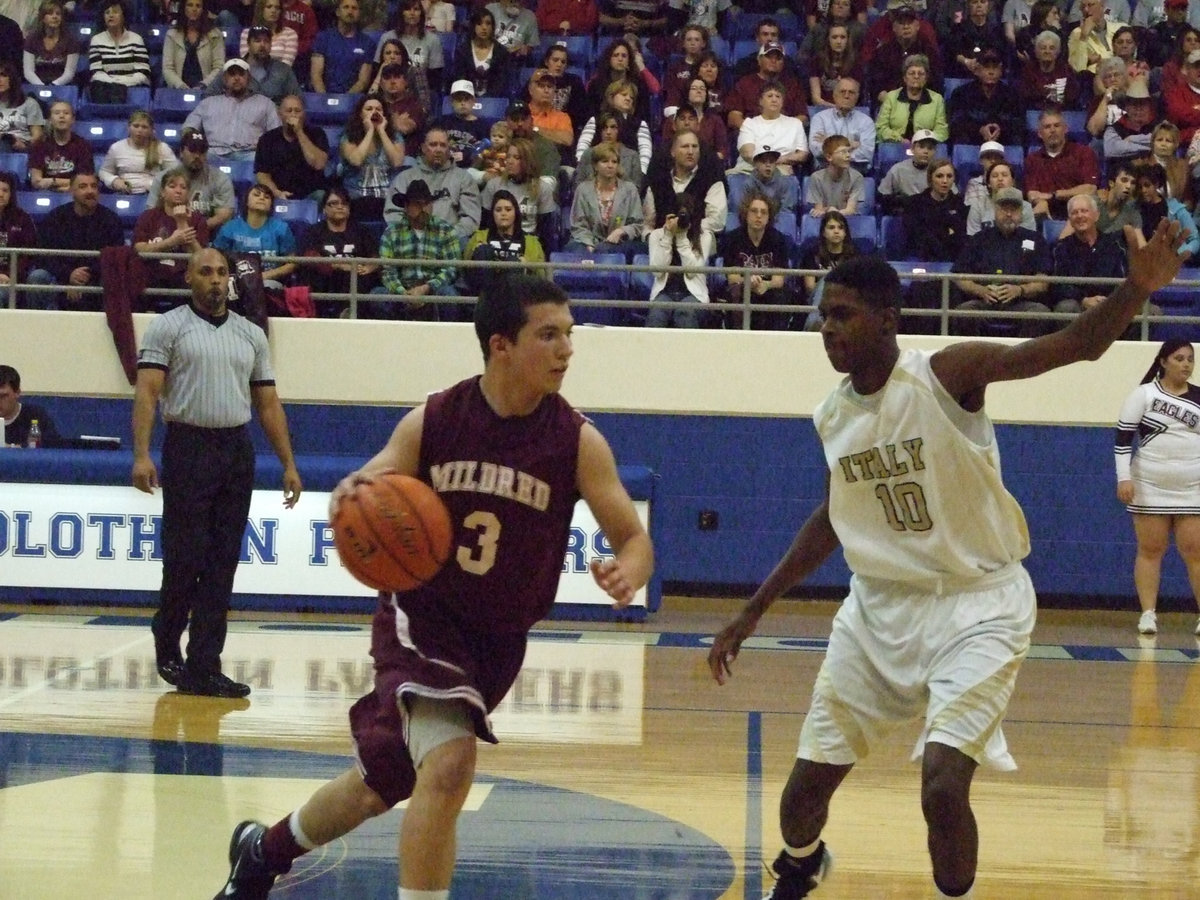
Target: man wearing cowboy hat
(1129, 136)
(455, 193)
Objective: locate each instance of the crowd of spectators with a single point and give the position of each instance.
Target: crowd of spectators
(1013, 138)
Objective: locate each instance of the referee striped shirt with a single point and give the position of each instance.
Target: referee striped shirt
(211, 364)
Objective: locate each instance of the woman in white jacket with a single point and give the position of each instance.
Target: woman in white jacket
(679, 242)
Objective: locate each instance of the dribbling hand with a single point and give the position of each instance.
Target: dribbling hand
(346, 486)
(726, 646)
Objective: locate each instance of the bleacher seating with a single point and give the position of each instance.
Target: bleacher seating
(137, 98)
(17, 164)
(1051, 229)
(174, 104)
(580, 48)
(449, 41)
(128, 207)
(46, 94)
(328, 109)
(102, 133)
(240, 172)
(744, 26)
(170, 134)
(604, 284)
(965, 158)
(891, 237)
(490, 109)
(39, 203)
(1180, 301)
(299, 214)
(863, 232)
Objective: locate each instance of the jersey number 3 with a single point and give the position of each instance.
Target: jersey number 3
(903, 506)
(480, 558)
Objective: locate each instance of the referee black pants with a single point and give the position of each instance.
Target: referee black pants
(207, 477)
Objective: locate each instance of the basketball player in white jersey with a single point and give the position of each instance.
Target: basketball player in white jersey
(940, 609)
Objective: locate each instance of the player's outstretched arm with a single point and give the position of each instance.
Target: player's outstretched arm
(813, 543)
(600, 485)
(402, 454)
(966, 369)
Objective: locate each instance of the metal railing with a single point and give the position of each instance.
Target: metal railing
(353, 299)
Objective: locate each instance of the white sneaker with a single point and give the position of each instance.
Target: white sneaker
(1148, 623)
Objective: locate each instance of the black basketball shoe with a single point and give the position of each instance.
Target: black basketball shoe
(249, 877)
(799, 877)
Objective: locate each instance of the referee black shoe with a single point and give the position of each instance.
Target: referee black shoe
(171, 670)
(249, 877)
(212, 684)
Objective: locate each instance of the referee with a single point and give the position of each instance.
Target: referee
(208, 367)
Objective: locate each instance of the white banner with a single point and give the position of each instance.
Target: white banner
(105, 537)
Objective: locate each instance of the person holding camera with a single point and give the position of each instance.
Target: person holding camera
(680, 241)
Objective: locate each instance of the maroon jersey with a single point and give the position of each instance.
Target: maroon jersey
(510, 486)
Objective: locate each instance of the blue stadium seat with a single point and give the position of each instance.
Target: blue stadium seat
(17, 164)
(720, 46)
(490, 109)
(449, 41)
(966, 161)
(1180, 301)
(867, 207)
(581, 48)
(83, 32)
(744, 26)
(170, 134)
(240, 171)
(127, 207)
(1051, 229)
(137, 98)
(46, 94)
(328, 109)
(39, 203)
(299, 214)
(592, 284)
(154, 36)
(950, 85)
(102, 133)
(735, 186)
(174, 104)
(786, 224)
(863, 232)
(891, 237)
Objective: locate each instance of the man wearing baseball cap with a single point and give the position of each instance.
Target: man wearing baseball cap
(400, 100)
(234, 121)
(520, 117)
(270, 77)
(1006, 249)
(211, 191)
(909, 177)
(553, 124)
(986, 109)
(743, 101)
(891, 40)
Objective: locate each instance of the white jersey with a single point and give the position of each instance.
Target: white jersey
(915, 489)
(1165, 470)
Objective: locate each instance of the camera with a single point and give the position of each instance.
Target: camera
(682, 220)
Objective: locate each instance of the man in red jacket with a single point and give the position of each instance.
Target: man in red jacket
(1182, 100)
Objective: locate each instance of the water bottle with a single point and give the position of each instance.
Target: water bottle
(34, 440)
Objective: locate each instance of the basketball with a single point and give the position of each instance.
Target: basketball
(393, 533)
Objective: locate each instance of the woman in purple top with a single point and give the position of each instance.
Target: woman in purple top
(51, 54)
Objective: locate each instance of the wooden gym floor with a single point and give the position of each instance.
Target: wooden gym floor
(623, 770)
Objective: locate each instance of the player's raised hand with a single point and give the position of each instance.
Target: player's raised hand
(1156, 264)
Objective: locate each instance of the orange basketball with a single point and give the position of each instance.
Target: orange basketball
(393, 533)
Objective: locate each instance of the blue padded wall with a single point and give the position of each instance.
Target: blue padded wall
(763, 477)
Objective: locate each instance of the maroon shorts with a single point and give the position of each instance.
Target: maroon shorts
(427, 653)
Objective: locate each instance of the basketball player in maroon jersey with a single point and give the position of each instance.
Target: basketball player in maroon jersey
(510, 457)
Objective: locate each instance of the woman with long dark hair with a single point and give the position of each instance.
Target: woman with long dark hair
(424, 47)
(831, 249)
(51, 54)
(285, 42)
(680, 241)
(504, 239)
(481, 59)
(21, 119)
(372, 153)
(1160, 482)
(693, 41)
(621, 62)
(338, 235)
(534, 194)
(193, 48)
(833, 60)
(17, 230)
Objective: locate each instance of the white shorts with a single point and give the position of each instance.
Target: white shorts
(896, 654)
